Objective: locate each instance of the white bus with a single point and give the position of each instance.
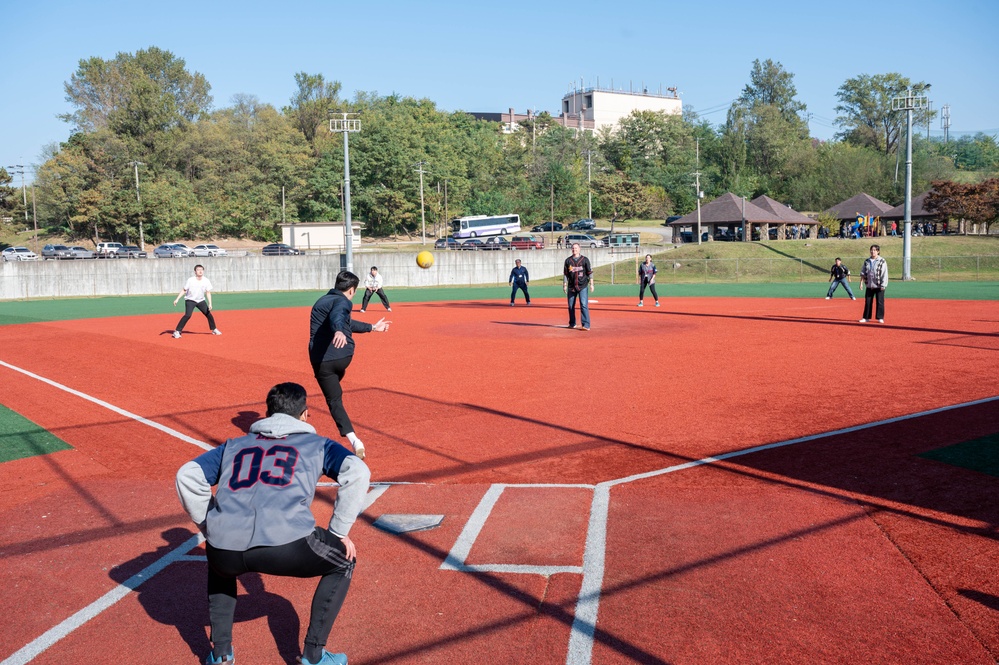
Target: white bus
(485, 225)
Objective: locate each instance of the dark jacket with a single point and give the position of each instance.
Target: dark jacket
(330, 314)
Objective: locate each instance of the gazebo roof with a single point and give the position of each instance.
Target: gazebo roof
(785, 213)
(861, 204)
(728, 209)
(898, 212)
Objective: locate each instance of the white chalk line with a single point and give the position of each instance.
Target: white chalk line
(111, 407)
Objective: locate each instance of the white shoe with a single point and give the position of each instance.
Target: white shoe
(641, 305)
(388, 309)
(657, 303)
(881, 320)
(853, 297)
(863, 321)
(828, 298)
(216, 332)
(362, 311)
(176, 334)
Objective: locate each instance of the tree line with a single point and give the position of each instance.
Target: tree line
(147, 146)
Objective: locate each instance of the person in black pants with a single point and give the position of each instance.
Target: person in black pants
(874, 278)
(647, 279)
(519, 279)
(197, 290)
(331, 348)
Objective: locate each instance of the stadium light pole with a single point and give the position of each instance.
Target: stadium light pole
(142, 238)
(697, 187)
(423, 215)
(346, 125)
(908, 103)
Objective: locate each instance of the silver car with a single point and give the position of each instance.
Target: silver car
(208, 250)
(81, 253)
(171, 251)
(19, 254)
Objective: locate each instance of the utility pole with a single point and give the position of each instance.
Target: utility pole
(15, 169)
(34, 210)
(142, 237)
(346, 125)
(697, 187)
(423, 215)
(945, 121)
(282, 208)
(908, 103)
(589, 192)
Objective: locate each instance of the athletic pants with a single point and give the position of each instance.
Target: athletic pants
(367, 296)
(869, 296)
(189, 306)
(522, 287)
(835, 285)
(652, 289)
(329, 374)
(320, 554)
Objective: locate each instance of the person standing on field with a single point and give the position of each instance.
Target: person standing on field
(372, 285)
(874, 278)
(577, 280)
(331, 348)
(839, 274)
(197, 294)
(647, 279)
(259, 518)
(519, 279)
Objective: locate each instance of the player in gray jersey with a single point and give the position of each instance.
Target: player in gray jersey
(260, 520)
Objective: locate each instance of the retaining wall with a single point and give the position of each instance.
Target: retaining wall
(107, 277)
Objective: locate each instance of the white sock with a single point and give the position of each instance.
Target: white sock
(356, 443)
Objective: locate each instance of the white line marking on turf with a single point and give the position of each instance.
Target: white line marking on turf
(111, 407)
(463, 545)
(33, 649)
(584, 624)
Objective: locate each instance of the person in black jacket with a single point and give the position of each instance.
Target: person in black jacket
(519, 279)
(331, 348)
(839, 274)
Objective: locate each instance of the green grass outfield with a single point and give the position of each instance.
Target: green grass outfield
(63, 309)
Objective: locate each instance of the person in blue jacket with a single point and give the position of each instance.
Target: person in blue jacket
(259, 519)
(519, 279)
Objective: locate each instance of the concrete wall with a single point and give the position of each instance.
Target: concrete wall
(107, 277)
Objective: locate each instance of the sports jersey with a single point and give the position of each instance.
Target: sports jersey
(839, 271)
(646, 271)
(266, 483)
(577, 273)
(195, 289)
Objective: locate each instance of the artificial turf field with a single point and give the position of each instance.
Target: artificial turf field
(719, 480)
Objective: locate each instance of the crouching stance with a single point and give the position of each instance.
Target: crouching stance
(259, 519)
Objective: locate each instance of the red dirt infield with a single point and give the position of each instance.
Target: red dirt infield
(842, 548)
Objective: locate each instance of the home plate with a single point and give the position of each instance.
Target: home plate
(407, 523)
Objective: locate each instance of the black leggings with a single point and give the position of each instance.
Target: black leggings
(329, 374)
(320, 554)
(652, 288)
(189, 306)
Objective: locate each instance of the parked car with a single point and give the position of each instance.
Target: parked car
(473, 243)
(279, 249)
(527, 242)
(172, 251)
(446, 243)
(19, 254)
(497, 242)
(688, 236)
(583, 240)
(548, 226)
(56, 252)
(583, 225)
(208, 250)
(671, 219)
(81, 253)
(107, 249)
(130, 252)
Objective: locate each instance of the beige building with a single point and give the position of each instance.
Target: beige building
(318, 235)
(601, 107)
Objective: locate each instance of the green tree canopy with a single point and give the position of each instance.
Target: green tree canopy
(866, 113)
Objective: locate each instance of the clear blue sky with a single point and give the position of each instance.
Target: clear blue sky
(490, 56)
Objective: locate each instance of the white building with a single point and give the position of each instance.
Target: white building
(319, 235)
(601, 107)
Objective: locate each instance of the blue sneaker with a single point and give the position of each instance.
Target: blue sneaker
(211, 660)
(327, 659)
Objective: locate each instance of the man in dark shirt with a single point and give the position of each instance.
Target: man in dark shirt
(331, 348)
(839, 274)
(519, 279)
(577, 279)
